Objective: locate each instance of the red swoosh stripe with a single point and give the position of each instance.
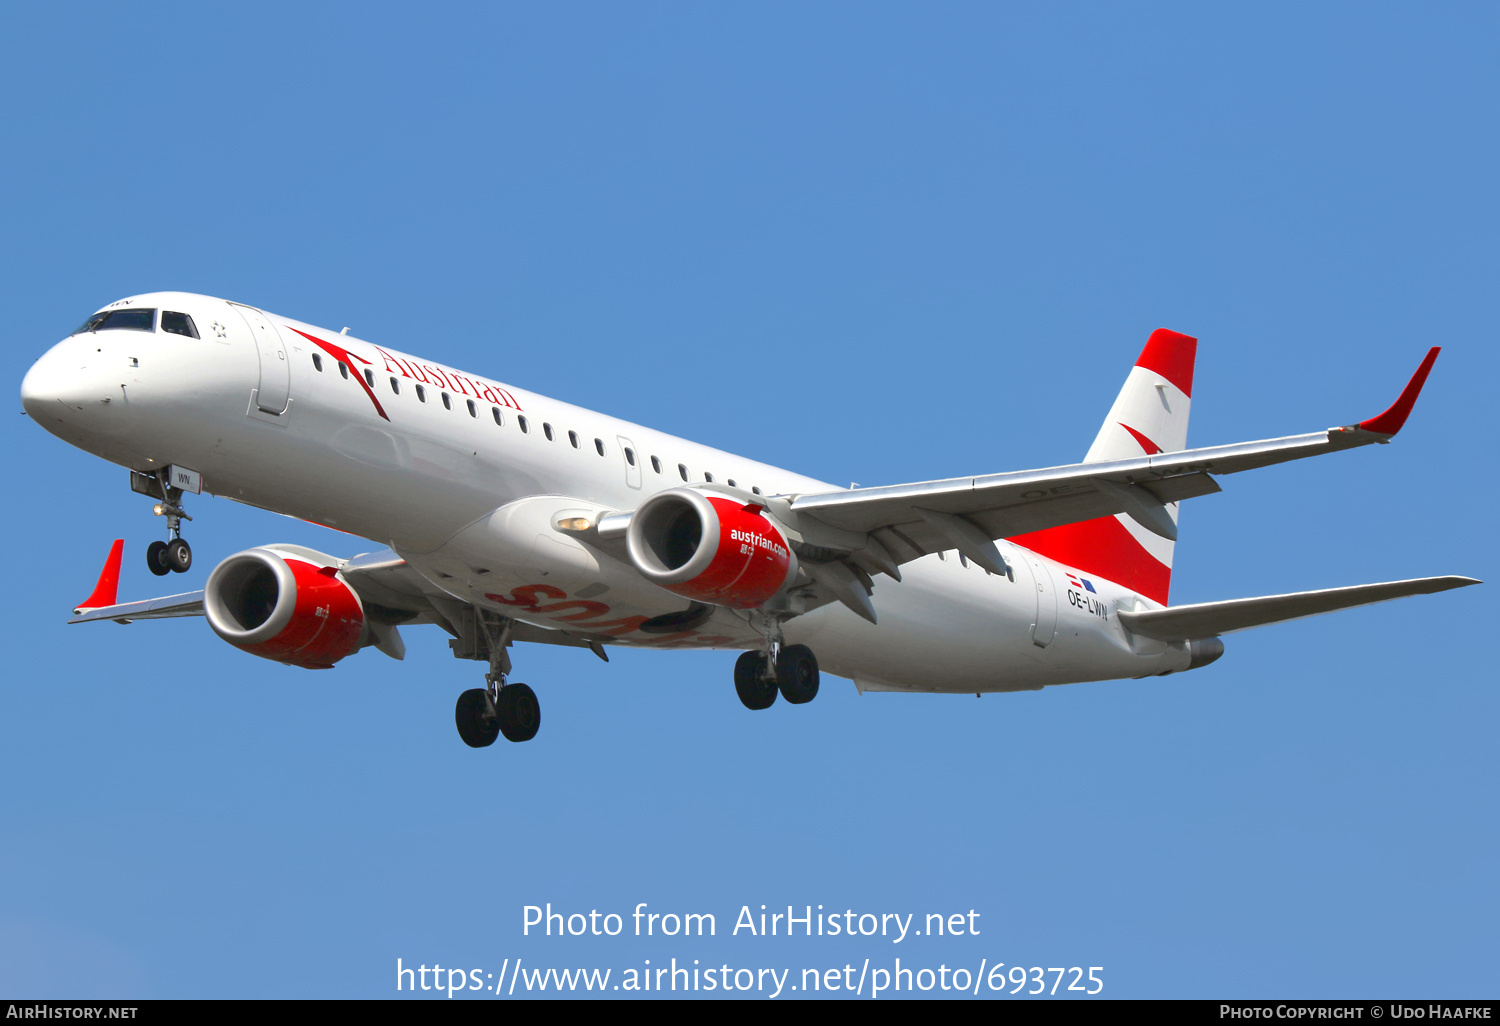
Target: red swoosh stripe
(1151, 447)
(340, 353)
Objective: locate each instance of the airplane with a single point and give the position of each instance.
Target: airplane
(508, 516)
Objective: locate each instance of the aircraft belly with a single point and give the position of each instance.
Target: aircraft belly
(946, 628)
(515, 562)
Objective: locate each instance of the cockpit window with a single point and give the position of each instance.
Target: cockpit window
(130, 319)
(178, 323)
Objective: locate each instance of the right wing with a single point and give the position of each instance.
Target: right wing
(885, 526)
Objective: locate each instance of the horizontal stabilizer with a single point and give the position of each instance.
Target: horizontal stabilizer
(1210, 619)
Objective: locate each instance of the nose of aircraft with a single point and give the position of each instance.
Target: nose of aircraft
(45, 382)
(59, 383)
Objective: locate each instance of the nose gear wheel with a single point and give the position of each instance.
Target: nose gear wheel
(156, 558)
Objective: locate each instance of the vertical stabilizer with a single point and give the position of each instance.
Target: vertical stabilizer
(1150, 415)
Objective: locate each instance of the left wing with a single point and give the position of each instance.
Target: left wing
(189, 603)
(391, 591)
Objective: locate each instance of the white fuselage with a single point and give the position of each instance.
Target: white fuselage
(452, 482)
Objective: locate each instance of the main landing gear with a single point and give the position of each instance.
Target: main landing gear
(173, 555)
(791, 670)
(483, 714)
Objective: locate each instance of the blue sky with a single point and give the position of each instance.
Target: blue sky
(879, 243)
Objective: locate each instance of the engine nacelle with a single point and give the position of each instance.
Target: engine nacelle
(710, 548)
(279, 605)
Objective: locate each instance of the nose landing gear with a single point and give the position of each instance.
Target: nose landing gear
(169, 557)
(174, 555)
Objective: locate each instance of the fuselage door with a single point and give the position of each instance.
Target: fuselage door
(275, 369)
(632, 458)
(1046, 602)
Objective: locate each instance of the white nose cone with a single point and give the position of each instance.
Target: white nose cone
(44, 383)
(59, 388)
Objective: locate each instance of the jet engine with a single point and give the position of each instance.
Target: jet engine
(289, 606)
(710, 548)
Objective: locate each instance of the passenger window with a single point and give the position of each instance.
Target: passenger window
(395, 387)
(599, 446)
(369, 377)
(421, 394)
(731, 483)
(963, 561)
(495, 412)
(547, 430)
(755, 489)
(656, 464)
(317, 363)
(630, 456)
(521, 422)
(447, 402)
(682, 469)
(709, 478)
(473, 410)
(344, 369)
(573, 437)
(178, 323)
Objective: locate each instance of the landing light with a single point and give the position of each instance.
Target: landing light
(574, 524)
(157, 510)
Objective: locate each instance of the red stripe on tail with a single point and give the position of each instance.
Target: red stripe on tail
(1151, 447)
(1171, 355)
(1103, 548)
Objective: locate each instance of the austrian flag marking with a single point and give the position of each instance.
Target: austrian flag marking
(1082, 583)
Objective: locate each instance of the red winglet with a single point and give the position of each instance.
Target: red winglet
(108, 588)
(1389, 422)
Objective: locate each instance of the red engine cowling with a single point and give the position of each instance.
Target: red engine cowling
(710, 548)
(282, 607)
